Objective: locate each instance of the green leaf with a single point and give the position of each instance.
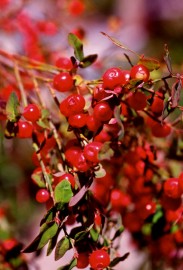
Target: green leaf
(77, 45)
(101, 172)
(88, 61)
(52, 243)
(12, 108)
(80, 235)
(94, 234)
(43, 123)
(62, 247)
(150, 63)
(63, 192)
(37, 177)
(48, 232)
(157, 216)
(72, 264)
(119, 259)
(49, 216)
(118, 233)
(106, 152)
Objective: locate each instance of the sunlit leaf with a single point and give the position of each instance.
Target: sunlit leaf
(77, 45)
(63, 192)
(12, 108)
(119, 259)
(62, 247)
(88, 60)
(44, 236)
(150, 63)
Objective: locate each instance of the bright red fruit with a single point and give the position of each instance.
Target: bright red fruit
(99, 259)
(119, 199)
(64, 63)
(42, 195)
(76, 7)
(137, 101)
(157, 105)
(31, 112)
(160, 131)
(63, 82)
(65, 176)
(171, 188)
(112, 78)
(125, 77)
(82, 260)
(73, 104)
(25, 129)
(77, 120)
(181, 182)
(91, 151)
(92, 123)
(140, 72)
(102, 111)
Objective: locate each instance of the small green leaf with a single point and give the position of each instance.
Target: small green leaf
(37, 177)
(80, 235)
(101, 172)
(157, 216)
(77, 45)
(52, 243)
(118, 233)
(62, 247)
(72, 264)
(48, 232)
(63, 192)
(150, 63)
(94, 234)
(12, 108)
(119, 259)
(106, 152)
(45, 113)
(88, 60)
(49, 216)
(43, 123)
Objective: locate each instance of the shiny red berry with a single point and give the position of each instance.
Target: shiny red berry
(112, 77)
(137, 101)
(140, 72)
(63, 82)
(65, 176)
(25, 129)
(73, 104)
(171, 188)
(102, 111)
(42, 195)
(77, 120)
(31, 112)
(64, 63)
(99, 259)
(91, 151)
(160, 131)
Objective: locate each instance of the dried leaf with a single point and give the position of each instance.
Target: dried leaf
(119, 259)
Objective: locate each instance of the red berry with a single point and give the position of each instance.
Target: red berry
(92, 123)
(32, 112)
(119, 199)
(181, 182)
(140, 72)
(91, 151)
(171, 188)
(64, 63)
(157, 105)
(76, 7)
(112, 78)
(99, 259)
(77, 120)
(125, 77)
(42, 195)
(137, 101)
(65, 176)
(25, 129)
(82, 260)
(63, 82)
(160, 131)
(102, 111)
(73, 104)
(75, 157)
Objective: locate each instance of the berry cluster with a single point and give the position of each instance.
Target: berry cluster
(101, 158)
